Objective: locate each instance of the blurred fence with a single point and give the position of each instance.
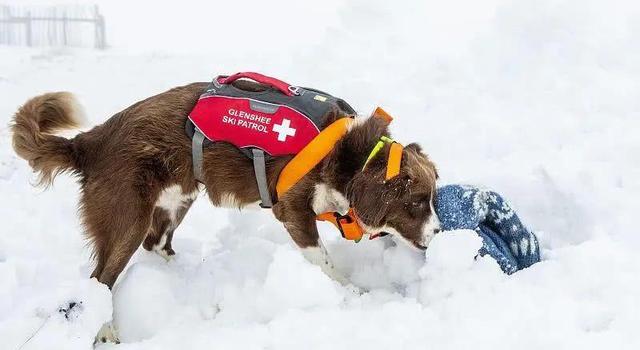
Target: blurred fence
(58, 25)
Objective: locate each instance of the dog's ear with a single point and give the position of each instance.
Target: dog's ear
(417, 151)
(414, 147)
(350, 152)
(371, 194)
(365, 192)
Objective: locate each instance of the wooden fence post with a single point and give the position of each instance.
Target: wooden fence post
(64, 29)
(100, 40)
(27, 23)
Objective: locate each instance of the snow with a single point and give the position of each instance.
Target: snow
(536, 99)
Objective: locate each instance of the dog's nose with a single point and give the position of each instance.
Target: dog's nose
(436, 231)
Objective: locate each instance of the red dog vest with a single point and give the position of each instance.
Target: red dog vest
(280, 120)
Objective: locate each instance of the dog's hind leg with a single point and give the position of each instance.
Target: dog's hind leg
(170, 209)
(125, 243)
(158, 235)
(116, 227)
(162, 228)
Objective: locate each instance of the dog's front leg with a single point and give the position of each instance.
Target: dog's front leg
(304, 233)
(318, 255)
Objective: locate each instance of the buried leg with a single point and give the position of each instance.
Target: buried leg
(114, 250)
(493, 245)
(502, 219)
(304, 233)
(486, 212)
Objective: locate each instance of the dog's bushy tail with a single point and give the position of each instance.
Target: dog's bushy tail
(33, 130)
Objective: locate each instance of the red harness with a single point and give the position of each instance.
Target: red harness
(248, 122)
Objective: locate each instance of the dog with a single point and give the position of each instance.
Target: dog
(136, 177)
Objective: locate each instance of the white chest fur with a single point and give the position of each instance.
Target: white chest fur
(327, 199)
(172, 198)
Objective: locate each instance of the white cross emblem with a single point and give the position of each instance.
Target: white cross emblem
(284, 130)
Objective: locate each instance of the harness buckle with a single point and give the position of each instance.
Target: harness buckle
(348, 226)
(295, 90)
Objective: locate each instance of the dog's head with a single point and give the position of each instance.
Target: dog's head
(403, 205)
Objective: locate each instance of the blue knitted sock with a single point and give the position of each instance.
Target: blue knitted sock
(505, 238)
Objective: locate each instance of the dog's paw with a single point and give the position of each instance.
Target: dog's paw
(106, 334)
(166, 253)
(345, 282)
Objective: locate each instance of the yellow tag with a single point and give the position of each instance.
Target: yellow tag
(320, 98)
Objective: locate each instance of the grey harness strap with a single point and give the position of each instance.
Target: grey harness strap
(259, 167)
(196, 154)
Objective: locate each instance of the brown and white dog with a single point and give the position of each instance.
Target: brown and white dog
(137, 182)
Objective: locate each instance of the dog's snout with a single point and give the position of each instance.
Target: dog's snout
(437, 230)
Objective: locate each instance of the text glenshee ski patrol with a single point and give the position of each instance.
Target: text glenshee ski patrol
(249, 123)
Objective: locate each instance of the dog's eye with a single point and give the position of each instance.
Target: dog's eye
(416, 209)
(418, 205)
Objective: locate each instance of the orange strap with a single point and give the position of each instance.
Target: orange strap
(347, 224)
(311, 155)
(381, 113)
(394, 160)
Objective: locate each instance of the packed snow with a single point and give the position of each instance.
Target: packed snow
(537, 99)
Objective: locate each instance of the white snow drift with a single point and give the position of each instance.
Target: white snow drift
(537, 99)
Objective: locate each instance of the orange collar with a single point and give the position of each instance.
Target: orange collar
(313, 153)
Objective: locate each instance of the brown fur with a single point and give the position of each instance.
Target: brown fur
(125, 163)
(34, 122)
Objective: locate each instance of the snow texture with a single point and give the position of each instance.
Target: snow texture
(537, 99)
